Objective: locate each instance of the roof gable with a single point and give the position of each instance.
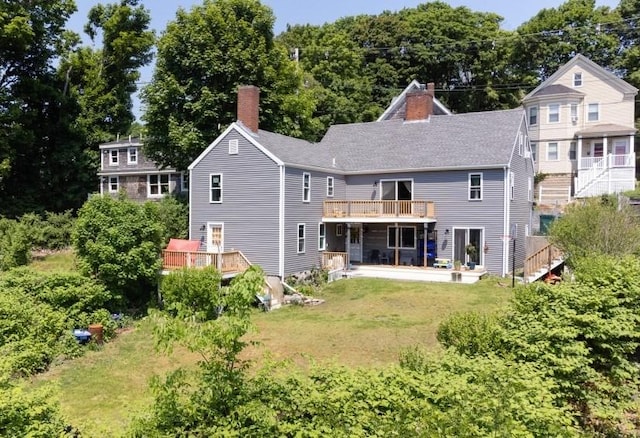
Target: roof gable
(587, 65)
(401, 100)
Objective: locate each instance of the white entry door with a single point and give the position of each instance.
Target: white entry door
(215, 237)
(355, 244)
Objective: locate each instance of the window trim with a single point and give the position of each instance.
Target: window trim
(534, 150)
(112, 156)
(512, 185)
(322, 236)
(396, 180)
(301, 239)
(597, 112)
(573, 147)
(330, 187)
(184, 181)
(469, 186)
(400, 227)
(529, 189)
(306, 187)
(557, 158)
(160, 194)
(211, 201)
(117, 180)
(129, 160)
(534, 116)
(549, 113)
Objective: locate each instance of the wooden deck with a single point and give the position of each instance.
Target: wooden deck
(379, 209)
(230, 262)
(541, 262)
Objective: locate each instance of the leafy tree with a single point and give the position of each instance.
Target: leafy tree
(203, 56)
(597, 226)
(15, 245)
(103, 80)
(118, 242)
(554, 35)
(173, 214)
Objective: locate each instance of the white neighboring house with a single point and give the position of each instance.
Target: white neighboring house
(581, 128)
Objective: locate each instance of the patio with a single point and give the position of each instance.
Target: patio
(415, 273)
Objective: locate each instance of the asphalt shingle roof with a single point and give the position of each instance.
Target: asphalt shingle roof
(554, 89)
(480, 139)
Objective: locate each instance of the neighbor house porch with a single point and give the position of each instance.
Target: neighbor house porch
(605, 161)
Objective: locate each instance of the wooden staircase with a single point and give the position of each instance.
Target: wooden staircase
(541, 262)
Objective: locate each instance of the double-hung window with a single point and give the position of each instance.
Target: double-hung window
(113, 157)
(132, 156)
(534, 151)
(554, 112)
(158, 185)
(533, 115)
(322, 237)
(306, 187)
(572, 150)
(185, 181)
(577, 79)
(301, 238)
(552, 151)
(215, 188)
(114, 184)
(330, 186)
(593, 114)
(475, 186)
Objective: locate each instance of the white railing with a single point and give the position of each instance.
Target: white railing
(601, 179)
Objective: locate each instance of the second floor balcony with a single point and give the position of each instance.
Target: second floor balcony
(362, 210)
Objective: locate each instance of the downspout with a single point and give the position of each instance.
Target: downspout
(281, 218)
(505, 231)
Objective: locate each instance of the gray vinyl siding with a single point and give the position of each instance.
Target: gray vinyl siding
(520, 207)
(250, 195)
(449, 192)
(310, 214)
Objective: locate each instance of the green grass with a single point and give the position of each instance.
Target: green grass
(364, 322)
(58, 261)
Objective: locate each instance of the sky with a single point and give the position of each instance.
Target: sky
(514, 12)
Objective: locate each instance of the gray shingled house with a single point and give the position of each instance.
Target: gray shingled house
(398, 192)
(124, 168)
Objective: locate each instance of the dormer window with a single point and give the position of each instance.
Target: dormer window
(577, 79)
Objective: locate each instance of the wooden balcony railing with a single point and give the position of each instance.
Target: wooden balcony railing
(390, 209)
(226, 262)
(541, 259)
(334, 261)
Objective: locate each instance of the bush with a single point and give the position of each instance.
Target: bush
(118, 242)
(173, 214)
(15, 247)
(51, 232)
(470, 333)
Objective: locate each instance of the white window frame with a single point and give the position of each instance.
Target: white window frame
(322, 236)
(113, 162)
(557, 153)
(577, 79)
(573, 147)
(529, 189)
(330, 187)
(574, 112)
(110, 181)
(534, 151)
(301, 240)
(234, 148)
(159, 184)
(132, 156)
(533, 115)
(596, 112)
(184, 181)
(211, 188)
(520, 143)
(339, 230)
(512, 185)
(556, 112)
(396, 181)
(475, 188)
(306, 187)
(400, 227)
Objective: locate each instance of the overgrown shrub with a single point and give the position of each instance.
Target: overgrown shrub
(173, 214)
(15, 247)
(118, 242)
(51, 232)
(470, 333)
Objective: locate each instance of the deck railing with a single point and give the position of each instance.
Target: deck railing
(226, 262)
(334, 261)
(541, 259)
(391, 209)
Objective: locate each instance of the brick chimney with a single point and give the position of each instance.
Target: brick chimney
(249, 106)
(420, 103)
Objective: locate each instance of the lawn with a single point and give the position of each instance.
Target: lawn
(363, 322)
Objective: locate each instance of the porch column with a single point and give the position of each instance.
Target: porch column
(632, 150)
(579, 152)
(348, 244)
(424, 242)
(605, 151)
(397, 249)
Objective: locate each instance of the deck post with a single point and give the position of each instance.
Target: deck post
(348, 244)
(396, 245)
(424, 242)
